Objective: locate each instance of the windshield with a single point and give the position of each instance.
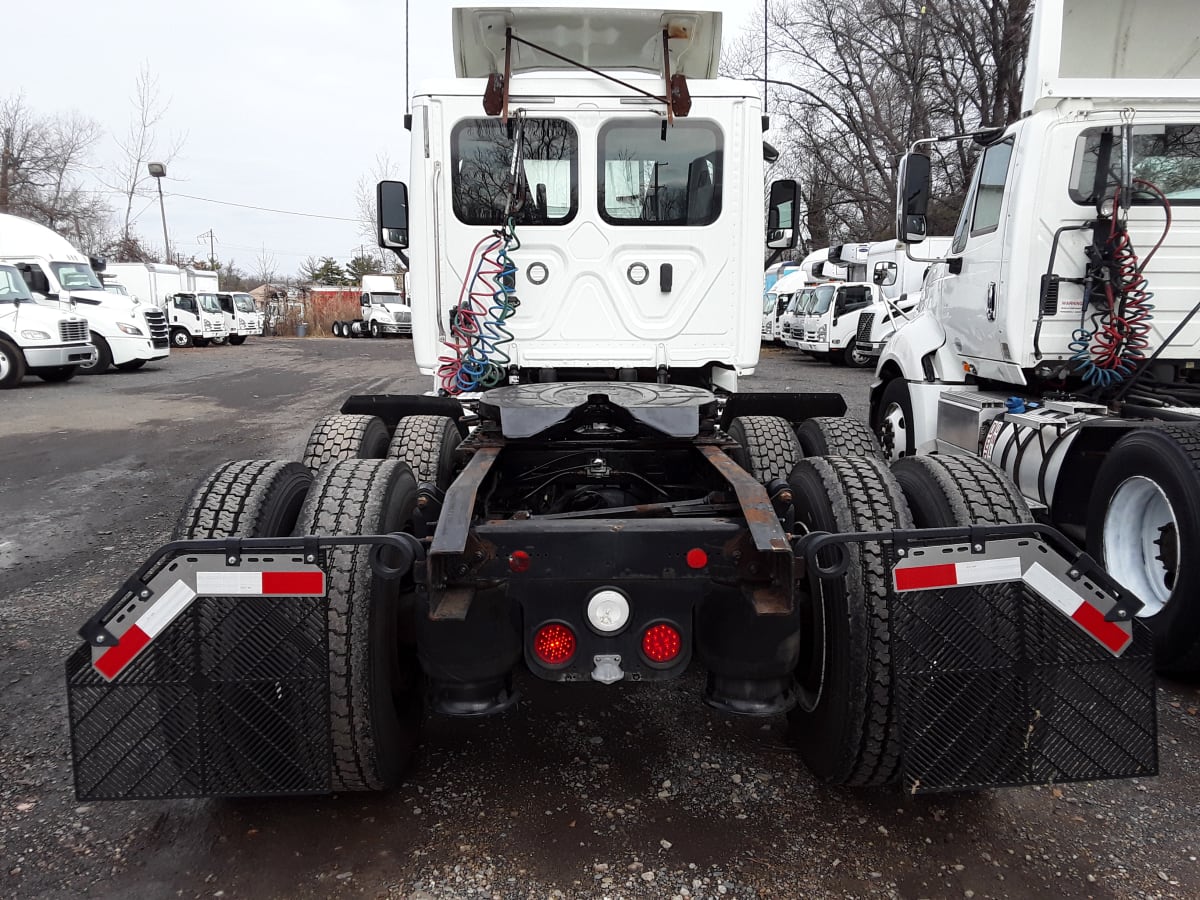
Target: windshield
(208, 303)
(768, 303)
(388, 297)
(822, 298)
(12, 286)
(76, 276)
(116, 289)
(244, 302)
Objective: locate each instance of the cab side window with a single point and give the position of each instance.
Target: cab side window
(981, 208)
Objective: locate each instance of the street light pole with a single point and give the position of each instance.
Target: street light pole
(158, 171)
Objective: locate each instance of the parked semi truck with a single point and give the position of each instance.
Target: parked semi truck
(36, 339)
(126, 335)
(900, 279)
(587, 497)
(383, 310)
(1057, 337)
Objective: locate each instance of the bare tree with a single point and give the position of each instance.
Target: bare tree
(141, 145)
(42, 160)
(854, 83)
(364, 193)
(265, 266)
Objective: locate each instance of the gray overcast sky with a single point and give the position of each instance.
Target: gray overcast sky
(281, 103)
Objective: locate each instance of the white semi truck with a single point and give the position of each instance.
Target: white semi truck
(900, 278)
(37, 339)
(187, 298)
(383, 310)
(1058, 336)
(587, 499)
(126, 335)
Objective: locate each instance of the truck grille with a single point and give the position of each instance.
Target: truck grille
(72, 331)
(865, 321)
(156, 321)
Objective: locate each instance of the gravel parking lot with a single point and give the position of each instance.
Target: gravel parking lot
(582, 791)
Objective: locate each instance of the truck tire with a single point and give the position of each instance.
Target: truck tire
(12, 364)
(131, 366)
(56, 374)
(374, 329)
(1144, 524)
(855, 358)
(894, 424)
(946, 491)
(340, 437)
(246, 498)
(837, 436)
(336, 329)
(845, 723)
(220, 341)
(201, 341)
(427, 444)
(104, 359)
(374, 676)
(237, 339)
(180, 338)
(767, 446)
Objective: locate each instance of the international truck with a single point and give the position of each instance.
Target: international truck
(383, 311)
(900, 279)
(242, 318)
(126, 335)
(585, 496)
(186, 297)
(36, 339)
(1058, 336)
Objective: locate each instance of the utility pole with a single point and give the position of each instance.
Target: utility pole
(212, 253)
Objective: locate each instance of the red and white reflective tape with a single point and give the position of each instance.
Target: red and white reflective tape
(175, 599)
(162, 613)
(232, 583)
(994, 571)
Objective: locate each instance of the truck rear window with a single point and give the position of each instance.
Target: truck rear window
(645, 180)
(481, 152)
(1168, 156)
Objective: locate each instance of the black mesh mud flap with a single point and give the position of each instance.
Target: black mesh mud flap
(230, 699)
(997, 685)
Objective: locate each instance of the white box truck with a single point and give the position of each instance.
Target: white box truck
(242, 318)
(1058, 337)
(126, 335)
(36, 339)
(193, 317)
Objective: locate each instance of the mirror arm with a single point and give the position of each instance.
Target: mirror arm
(772, 259)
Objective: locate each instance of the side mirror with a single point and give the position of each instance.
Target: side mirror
(35, 279)
(391, 208)
(770, 154)
(98, 263)
(782, 232)
(912, 197)
(884, 274)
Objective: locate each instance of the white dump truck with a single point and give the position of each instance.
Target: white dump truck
(37, 339)
(586, 497)
(126, 335)
(1058, 336)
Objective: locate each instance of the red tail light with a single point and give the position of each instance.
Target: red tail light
(554, 644)
(661, 643)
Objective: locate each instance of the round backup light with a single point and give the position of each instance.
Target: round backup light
(697, 558)
(608, 611)
(519, 561)
(661, 643)
(554, 644)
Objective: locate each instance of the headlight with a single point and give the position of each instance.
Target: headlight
(129, 329)
(32, 335)
(241, 323)
(821, 332)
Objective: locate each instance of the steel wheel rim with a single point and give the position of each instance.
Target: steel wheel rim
(6, 364)
(894, 436)
(1139, 528)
